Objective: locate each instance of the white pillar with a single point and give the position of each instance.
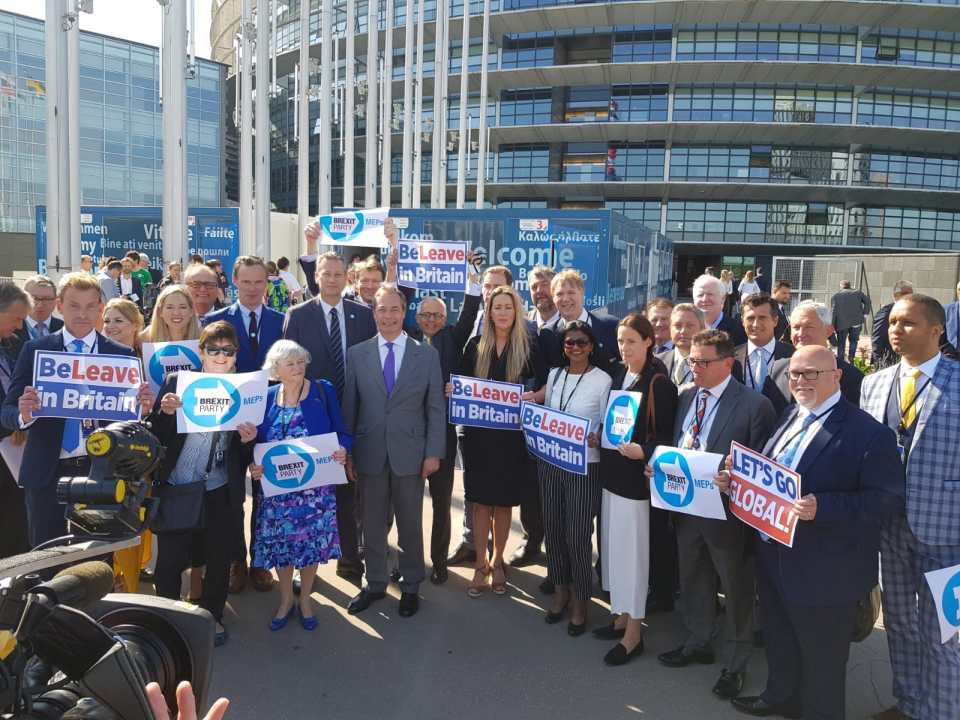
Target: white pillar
(326, 104)
(418, 113)
(387, 116)
(247, 30)
(303, 119)
(349, 108)
(59, 230)
(175, 131)
(438, 167)
(482, 154)
(406, 161)
(463, 146)
(370, 158)
(73, 137)
(262, 140)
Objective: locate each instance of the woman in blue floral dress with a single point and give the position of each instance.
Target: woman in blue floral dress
(297, 529)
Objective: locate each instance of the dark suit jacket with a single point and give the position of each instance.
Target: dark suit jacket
(305, 324)
(782, 331)
(450, 340)
(54, 324)
(45, 436)
(850, 381)
(852, 467)
(309, 268)
(137, 290)
(882, 354)
(10, 349)
(604, 326)
(269, 331)
(733, 328)
(772, 387)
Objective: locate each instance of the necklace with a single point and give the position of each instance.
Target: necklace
(287, 413)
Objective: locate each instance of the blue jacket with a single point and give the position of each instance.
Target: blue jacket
(269, 331)
(604, 327)
(321, 412)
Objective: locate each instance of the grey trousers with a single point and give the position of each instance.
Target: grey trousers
(402, 496)
(708, 548)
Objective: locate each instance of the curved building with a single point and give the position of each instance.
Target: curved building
(740, 129)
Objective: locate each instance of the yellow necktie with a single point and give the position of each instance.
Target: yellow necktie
(908, 407)
(428, 339)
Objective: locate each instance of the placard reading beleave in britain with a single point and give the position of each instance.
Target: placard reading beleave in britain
(485, 403)
(683, 482)
(945, 588)
(214, 401)
(162, 358)
(762, 493)
(440, 266)
(556, 437)
(299, 464)
(87, 387)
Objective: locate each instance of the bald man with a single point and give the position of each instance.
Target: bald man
(851, 482)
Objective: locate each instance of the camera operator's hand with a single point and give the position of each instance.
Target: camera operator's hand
(170, 403)
(186, 705)
(27, 404)
(256, 471)
(247, 431)
(146, 397)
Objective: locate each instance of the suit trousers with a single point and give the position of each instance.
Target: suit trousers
(707, 548)
(441, 493)
(13, 515)
(348, 525)
(851, 335)
(926, 672)
(807, 652)
(175, 552)
(402, 496)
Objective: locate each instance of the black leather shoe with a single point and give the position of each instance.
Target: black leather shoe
(758, 707)
(362, 601)
(679, 658)
(463, 556)
(526, 555)
(409, 604)
(439, 575)
(576, 630)
(547, 587)
(609, 632)
(729, 685)
(618, 654)
(552, 618)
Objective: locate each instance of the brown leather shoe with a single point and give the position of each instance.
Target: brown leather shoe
(261, 579)
(238, 576)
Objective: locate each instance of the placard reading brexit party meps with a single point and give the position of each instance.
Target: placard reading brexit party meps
(762, 493)
(87, 387)
(432, 265)
(945, 588)
(620, 418)
(485, 403)
(214, 401)
(162, 358)
(300, 464)
(683, 482)
(556, 437)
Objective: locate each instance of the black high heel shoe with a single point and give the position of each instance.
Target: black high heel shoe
(552, 618)
(576, 630)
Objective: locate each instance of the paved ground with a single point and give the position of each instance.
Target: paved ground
(472, 659)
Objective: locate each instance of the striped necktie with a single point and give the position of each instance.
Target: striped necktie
(336, 351)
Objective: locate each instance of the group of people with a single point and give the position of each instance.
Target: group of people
(877, 456)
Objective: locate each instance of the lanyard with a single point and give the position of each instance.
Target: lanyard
(901, 428)
(768, 363)
(287, 418)
(803, 429)
(566, 374)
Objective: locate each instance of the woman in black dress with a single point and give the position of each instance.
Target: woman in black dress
(496, 464)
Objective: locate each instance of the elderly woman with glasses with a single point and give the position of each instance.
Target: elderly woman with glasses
(297, 529)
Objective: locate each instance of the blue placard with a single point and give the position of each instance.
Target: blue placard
(435, 266)
(556, 437)
(87, 387)
(485, 403)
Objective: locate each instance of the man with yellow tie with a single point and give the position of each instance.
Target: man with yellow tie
(919, 398)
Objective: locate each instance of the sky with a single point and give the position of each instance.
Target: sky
(137, 20)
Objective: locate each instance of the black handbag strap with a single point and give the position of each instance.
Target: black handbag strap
(214, 444)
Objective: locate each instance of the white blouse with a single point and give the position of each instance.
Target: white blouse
(584, 395)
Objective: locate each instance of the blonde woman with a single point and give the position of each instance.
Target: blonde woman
(174, 317)
(497, 467)
(122, 322)
(748, 286)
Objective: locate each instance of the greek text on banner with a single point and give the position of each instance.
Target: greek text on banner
(556, 437)
(299, 464)
(945, 587)
(357, 227)
(87, 387)
(162, 358)
(438, 266)
(762, 493)
(214, 401)
(620, 418)
(683, 482)
(485, 403)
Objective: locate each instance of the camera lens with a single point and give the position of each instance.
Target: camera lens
(90, 492)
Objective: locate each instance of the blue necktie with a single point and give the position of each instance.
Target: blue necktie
(789, 452)
(760, 360)
(71, 426)
(389, 369)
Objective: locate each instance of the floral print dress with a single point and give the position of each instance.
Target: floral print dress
(295, 529)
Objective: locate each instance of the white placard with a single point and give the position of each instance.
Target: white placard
(299, 464)
(945, 588)
(623, 406)
(215, 401)
(162, 358)
(683, 482)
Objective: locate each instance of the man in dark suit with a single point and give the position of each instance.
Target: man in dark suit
(55, 447)
(708, 295)
(659, 311)
(712, 412)
(568, 295)
(14, 306)
(128, 285)
(810, 325)
(781, 296)
(756, 357)
(543, 312)
(43, 297)
(852, 482)
(327, 327)
(685, 322)
(882, 355)
(951, 333)
(849, 308)
(258, 328)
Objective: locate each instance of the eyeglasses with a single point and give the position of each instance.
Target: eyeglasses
(808, 374)
(576, 342)
(225, 351)
(430, 315)
(38, 300)
(196, 285)
(697, 362)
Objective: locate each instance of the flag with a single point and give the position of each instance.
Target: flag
(7, 86)
(37, 87)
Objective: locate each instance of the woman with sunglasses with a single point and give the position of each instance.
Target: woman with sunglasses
(570, 500)
(625, 513)
(219, 460)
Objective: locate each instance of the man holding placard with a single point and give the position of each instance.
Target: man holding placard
(850, 482)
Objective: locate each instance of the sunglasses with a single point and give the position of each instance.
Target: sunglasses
(225, 351)
(576, 342)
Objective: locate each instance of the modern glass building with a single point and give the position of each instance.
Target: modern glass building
(741, 129)
(121, 135)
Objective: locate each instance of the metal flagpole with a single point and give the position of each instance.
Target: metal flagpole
(247, 31)
(439, 141)
(59, 230)
(370, 158)
(175, 131)
(406, 161)
(418, 112)
(73, 134)
(482, 154)
(303, 119)
(262, 140)
(326, 103)
(386, 155)
(462, 130)
(349, 109)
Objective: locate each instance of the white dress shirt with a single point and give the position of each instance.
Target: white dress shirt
(293, 285)
(343, 325)
(541, 323)
(823, 410)
(709, 414)
(399, 345)
(126, 285)
(32, 327)
(752, 371)
(927, 371)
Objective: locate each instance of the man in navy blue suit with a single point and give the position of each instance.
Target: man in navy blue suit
(14, 306)
(80, 304)
(852, 481)
(258, 328)
(568, 295)
(327, 326)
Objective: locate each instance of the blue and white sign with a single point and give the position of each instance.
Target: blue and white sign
(556, 437)
(299, 464)
(162, 358)
(214, 401)
(683, 482)
(87, 387)
(945, 588)
(623, 406)
(356, 227)
(434, 266)
(485, 403)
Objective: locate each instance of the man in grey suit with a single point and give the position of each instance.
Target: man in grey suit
(108, 280)
(849, 306)
(712, 412)
(393, 405)
(686, 320)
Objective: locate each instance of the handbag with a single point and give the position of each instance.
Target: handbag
(180, 508)
(868, 610)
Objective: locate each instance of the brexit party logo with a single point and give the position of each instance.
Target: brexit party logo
(674, 479)
(289, 467)
(171, 357)
(342, 226)
(622, 409)
(211, 402)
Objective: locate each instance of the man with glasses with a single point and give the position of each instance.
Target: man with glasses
(204, 288)
(713, 412)
(40, 321)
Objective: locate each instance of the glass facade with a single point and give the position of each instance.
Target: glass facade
(121, 137)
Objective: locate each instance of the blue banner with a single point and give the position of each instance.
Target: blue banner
(556, 437)
(87, 387)
(437, 266)
(485, 403)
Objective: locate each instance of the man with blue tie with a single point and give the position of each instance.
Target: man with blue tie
(919, 398)
(40, 322)
(80, 304)
(851, 482)
(756, 358)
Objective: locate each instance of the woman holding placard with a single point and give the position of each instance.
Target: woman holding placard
(625, 535)
(174, 317)
(297, 529)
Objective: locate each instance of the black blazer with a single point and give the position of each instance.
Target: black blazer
(883, 354)
(53, 325)
(733, 328)
(604, 326)
(850, 381)
(782, 331)
(449, 341)
(772, 388)
(137, 290)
